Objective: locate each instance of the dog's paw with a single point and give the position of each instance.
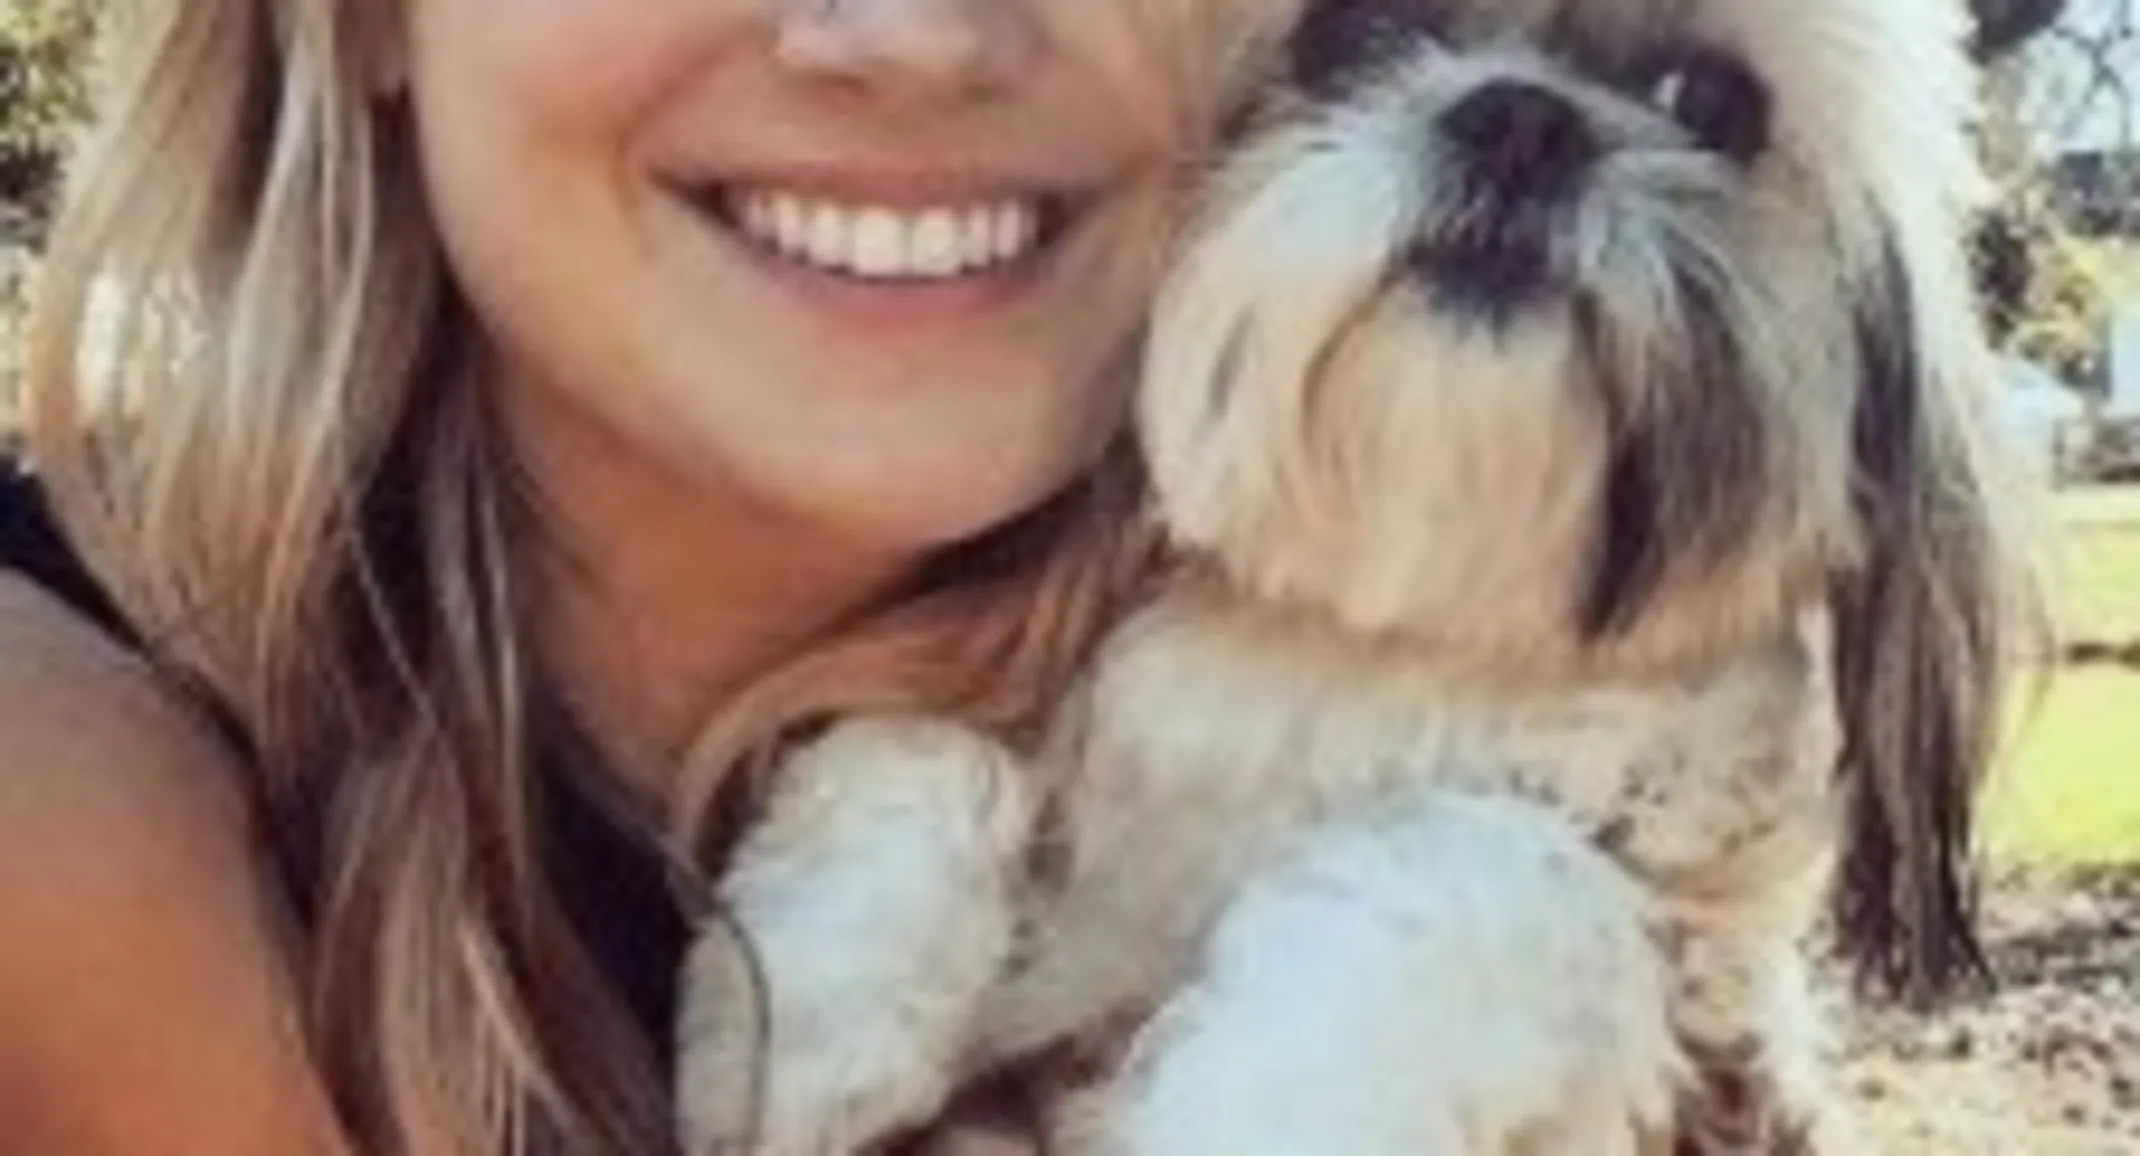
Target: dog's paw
(869, 910)
(832, 1100)
(826, 1081)
(1191, 1092)
(1460, 978)
(1188, 1090)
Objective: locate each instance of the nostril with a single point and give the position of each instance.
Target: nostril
(1521, 127)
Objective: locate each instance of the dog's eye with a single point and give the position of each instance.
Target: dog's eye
(1717, 98)
(1340, 41)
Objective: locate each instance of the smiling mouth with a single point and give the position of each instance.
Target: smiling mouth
(890, 244)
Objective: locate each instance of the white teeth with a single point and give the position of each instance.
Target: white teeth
(826, 242)
(1014, 231)
(977, 236)
(933, 248)
(789, 228)
(876, 243)
(884, 243)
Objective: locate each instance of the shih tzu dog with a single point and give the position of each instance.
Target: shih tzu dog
(1566, 415)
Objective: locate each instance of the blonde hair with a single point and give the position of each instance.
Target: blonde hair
(240, 302)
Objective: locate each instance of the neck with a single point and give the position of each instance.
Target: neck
(660, 597)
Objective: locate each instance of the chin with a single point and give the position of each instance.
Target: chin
(926, 498)
(960, 462)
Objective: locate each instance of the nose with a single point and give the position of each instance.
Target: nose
(1521, 132)
(908, 48)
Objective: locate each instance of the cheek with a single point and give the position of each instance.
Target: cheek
(1175, 67)
(562, 69)
(528, 115)
(1227, 46)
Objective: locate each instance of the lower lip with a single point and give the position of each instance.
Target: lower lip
(886, 302)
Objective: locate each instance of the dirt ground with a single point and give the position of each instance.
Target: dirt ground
(2049, 1066)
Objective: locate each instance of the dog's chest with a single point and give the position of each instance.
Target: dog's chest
(1214, 738)
(1209, 743)
(1205, 719)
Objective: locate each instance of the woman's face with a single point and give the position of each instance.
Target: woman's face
(875, 264)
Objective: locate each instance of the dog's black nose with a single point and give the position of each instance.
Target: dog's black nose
(1523, 134)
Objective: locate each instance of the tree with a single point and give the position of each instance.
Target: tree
(2060, 142)
(44, 48)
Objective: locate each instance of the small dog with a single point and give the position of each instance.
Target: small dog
(1566, 413)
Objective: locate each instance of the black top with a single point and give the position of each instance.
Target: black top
(610, 878)
(31, 544)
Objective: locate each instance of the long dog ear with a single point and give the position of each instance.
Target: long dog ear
(1923, 629)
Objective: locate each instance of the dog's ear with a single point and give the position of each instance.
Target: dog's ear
(1923, 626)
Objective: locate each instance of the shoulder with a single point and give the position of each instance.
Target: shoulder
(88, 733)
(102, 769)
(136, 943)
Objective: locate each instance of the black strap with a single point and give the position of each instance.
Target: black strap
(32, 544)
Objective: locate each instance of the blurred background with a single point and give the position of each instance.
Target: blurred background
(2050, 1064)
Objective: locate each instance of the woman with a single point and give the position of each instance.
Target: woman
(520, 413)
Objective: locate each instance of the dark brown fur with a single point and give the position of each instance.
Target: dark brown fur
(1919, 625)
(1686, 481)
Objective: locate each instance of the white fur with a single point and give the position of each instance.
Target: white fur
(874, 899)
(1217, 737)
(1261, 832)
(1360, 845)
(1343, 1007)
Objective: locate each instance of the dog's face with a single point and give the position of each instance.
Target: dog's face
(1540, 325)
(1582, 334)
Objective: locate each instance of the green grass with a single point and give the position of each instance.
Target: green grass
(2069, 794)
(2125, 267)
(2094, 572)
